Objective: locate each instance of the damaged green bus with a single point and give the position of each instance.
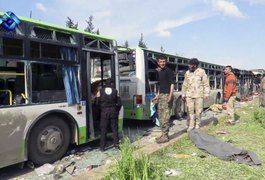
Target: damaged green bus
(47, 77)
(138, 82)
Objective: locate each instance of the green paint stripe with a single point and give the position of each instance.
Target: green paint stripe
(136, 114)
(61, 27)
(23, 145)
(82, 135)
(120, 124)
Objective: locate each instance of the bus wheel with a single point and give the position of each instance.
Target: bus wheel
(48, 140)
(179, 108)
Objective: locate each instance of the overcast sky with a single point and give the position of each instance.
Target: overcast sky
(218, 31)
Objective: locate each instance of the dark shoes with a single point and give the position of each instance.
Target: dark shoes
(117, 147)
(231, 122)
(162, 139)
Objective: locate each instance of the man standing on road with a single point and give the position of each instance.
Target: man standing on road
(194, 88)
(164, 97)
(110, 105)
(230, 94)
(262, 92)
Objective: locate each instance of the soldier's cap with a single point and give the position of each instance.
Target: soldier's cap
(194, 61)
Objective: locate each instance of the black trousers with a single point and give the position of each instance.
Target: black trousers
(108, 115)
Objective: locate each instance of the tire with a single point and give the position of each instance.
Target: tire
(179, 108)
(48, 141)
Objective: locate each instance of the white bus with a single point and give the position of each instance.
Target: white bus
(46, 76)
(138, 81)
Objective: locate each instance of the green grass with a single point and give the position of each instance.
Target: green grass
(130, 168)
(248, 134)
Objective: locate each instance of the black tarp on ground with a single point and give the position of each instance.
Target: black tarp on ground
(221, 149)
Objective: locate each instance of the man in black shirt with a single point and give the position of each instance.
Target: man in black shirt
(164, 97)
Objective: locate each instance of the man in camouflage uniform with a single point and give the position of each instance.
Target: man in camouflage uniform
(164, 97)
(262, 92)
(195, 87)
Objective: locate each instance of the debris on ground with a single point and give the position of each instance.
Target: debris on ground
(246, 99)
(30, 165)
(86, 149)
(45, 169)
(108, 161)
(180, 156)
(172, 173)
(220, 132)
(90, 167)
(216, 108)
(194, 154)
(70, 169)
(222, 150)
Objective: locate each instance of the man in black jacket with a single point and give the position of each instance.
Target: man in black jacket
(110, 105)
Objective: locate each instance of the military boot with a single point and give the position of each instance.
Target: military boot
(191, 123)
(158, 137)
(197, 124)
(162, 139)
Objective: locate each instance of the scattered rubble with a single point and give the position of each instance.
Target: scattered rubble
(172, 173)
(182, 156)
(220, 132)
(44, 169)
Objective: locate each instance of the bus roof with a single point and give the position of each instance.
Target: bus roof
(60, 27)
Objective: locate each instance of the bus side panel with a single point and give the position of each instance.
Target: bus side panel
(12, 125)
(17, 121)
(128, 88)
(120, 120)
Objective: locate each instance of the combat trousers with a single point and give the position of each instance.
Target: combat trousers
(108, 115)
(231, 108)
(195, 106)
(164, 110)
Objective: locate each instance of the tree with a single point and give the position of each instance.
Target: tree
(162, 49)
(90, 27)
(126, 44)
(98, 32)
(70, 23)
(141, 42)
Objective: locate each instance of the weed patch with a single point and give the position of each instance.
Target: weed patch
(129, 167)
(259, 116)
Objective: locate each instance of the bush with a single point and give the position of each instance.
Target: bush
(259, 116)
(130, 168)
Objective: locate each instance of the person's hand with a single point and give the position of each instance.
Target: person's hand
(155, 100)
(224, 106)
(207, 98)
(169, 99)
